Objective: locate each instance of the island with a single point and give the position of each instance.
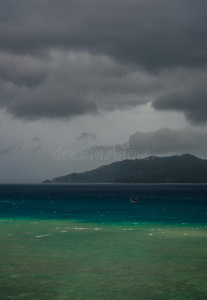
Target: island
(174, 169)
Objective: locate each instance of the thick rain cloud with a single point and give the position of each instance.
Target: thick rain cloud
(188, 95)
(192, 101)
(22, 70)
(61, 59)
(153, 34)
(77, 84)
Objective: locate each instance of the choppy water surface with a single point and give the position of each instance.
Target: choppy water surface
(89, 242)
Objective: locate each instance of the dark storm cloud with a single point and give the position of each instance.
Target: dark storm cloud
(152, 33)
(192, 103)
(128, 46)
(189, 98)
(77, 84)
(22, 70)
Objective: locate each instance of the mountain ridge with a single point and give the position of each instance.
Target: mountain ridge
(173, 169)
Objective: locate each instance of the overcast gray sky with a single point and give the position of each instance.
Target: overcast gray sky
(78, 75)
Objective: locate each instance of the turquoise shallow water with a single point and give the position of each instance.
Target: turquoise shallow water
(90, 242)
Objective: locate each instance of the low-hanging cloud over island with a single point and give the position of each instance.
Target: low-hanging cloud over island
(161, 142)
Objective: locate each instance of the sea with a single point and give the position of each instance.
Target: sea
(89, 242)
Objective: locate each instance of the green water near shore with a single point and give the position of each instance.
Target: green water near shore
(58, 259)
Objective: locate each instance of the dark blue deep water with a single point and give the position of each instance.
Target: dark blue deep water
(106, 202)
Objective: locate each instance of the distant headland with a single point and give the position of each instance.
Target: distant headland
(174, 169)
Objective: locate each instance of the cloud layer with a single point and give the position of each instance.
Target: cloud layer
(151, 33)
(166, 140)
(61, 59)
(75, 84)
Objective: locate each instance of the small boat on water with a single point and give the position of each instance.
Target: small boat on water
(134, 200)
